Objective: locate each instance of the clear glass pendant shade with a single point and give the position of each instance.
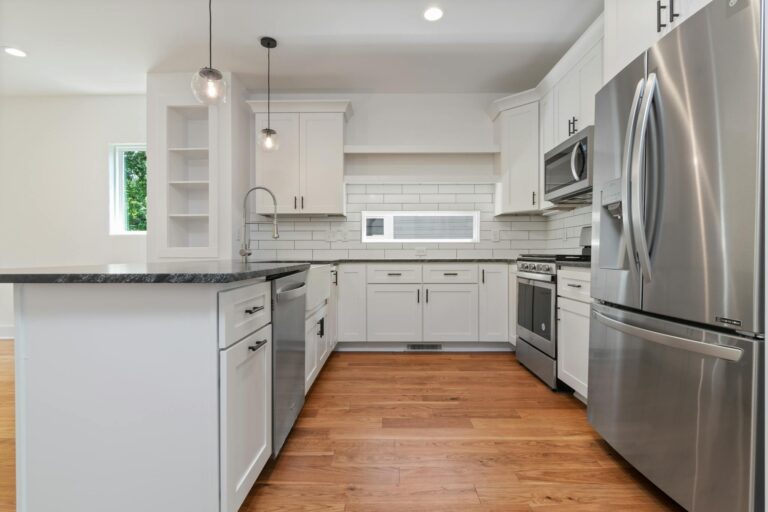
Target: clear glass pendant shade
(268, 140)
(209, 86)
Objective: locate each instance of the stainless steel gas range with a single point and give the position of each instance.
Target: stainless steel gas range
(537, 313)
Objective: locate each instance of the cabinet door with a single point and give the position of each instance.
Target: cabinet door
(518, 133)
(630, 29)
(450, 312)
(322, 163)
(311, 355)
(547, 138)
(332, 318)
(394, 312)
(567, 97)
(573, 344)
(279, 170)
(513, 304)
(246, 415)
(351, 319)
(590, 81)
(494, 309)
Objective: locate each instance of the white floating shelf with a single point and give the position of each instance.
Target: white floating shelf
(199, 152)
(420, 150)
(189, 182)
(188, 215)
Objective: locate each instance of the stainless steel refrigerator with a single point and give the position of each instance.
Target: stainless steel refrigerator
(677, 265)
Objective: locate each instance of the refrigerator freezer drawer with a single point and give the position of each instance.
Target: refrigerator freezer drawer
(679, 403)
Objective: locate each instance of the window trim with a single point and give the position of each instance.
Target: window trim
(118, 214)
(388, 236)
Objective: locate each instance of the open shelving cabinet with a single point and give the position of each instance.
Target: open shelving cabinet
(189, 181)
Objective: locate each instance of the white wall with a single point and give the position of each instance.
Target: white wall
(54, 182)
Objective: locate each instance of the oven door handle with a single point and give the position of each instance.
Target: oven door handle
(545, 278)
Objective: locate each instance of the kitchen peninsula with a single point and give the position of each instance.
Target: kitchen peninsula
(123, 379)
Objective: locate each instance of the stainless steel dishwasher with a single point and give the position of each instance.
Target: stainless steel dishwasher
(288, 310)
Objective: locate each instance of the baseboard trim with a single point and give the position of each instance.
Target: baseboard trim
(379, 346)
(6, 332)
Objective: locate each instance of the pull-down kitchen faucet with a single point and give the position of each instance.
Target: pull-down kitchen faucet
(245, 242)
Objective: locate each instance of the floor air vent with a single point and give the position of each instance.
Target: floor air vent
(424, 347)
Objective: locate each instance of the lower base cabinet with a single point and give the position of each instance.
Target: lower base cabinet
(245, 394)
(573, 344)
(493, 302)
(317, 346)
(450, 312)
(394, 312)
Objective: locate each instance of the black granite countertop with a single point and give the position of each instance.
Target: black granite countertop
(211, 272)
(396, 261)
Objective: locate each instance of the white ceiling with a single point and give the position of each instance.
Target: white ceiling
(107, 46)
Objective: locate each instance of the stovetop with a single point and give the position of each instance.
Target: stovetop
(547, 263)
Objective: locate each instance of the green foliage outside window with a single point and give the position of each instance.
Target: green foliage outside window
(135, 165)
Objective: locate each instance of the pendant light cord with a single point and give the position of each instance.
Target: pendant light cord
(269, 89)
(210, 34)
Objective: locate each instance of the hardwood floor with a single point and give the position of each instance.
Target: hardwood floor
(445, 432)
(424, 432)
(7, 429)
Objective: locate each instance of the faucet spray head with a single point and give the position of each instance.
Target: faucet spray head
(275, 234)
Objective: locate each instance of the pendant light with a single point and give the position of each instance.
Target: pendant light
(208, 84)
(268, 137)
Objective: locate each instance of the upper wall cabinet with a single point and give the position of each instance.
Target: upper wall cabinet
(306, 173)
(517, 131)
(575, 95)
(632, 26)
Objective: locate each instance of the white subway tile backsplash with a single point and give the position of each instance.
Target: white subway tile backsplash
(420, 189)
(456, 189)
(384, 189)
(331, 238)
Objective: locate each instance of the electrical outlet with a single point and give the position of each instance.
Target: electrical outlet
(495, 235)
(421, 252)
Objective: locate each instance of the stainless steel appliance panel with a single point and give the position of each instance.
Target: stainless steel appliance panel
(288, 345)
(568, 169)
(544, 367)
(697, 215)
(679, 403)
(615, 277)
(536, 306)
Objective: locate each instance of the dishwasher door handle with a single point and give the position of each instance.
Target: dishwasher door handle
(291, 291)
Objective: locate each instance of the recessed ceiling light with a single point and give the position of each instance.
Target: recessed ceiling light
(433, 13)
(14, 51)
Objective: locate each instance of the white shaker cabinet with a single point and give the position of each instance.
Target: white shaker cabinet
(394, 312)
(513, 304)
(351, 320)
(493, 302)
(575, 94)
(246, 415)
(633, 26)
(306, 172)
(279, 170)
(517, 131)
(450, 312)
(573, 344)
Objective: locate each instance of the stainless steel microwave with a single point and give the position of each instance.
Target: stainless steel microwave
(568, 170)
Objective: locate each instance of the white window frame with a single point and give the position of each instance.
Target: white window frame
(388, 236)
(118, 214)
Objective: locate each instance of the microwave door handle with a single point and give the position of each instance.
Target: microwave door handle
(577, 148)
(626, 181)
(638, 173)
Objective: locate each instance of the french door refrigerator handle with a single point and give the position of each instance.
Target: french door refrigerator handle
(638, 167)
(626, 180)
(699, 347)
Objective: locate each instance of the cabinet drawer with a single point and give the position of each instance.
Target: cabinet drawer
(242, 311)
(450, 273)
(393, 273)
(574, 284)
